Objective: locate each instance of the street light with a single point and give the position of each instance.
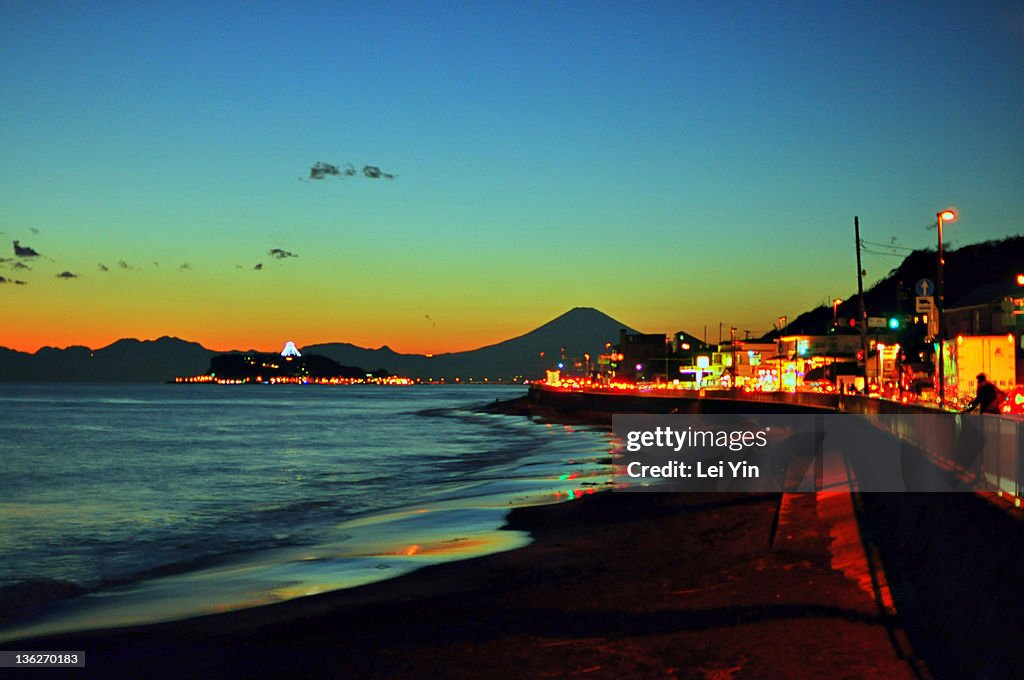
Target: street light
(833, 341)
(782, 323)
(947, 215)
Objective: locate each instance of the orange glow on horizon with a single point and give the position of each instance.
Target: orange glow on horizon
(248, 337)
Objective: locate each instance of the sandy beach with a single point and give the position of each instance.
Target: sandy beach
(634, 585)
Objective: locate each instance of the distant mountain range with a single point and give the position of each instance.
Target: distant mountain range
(580, 330)
(126, 360)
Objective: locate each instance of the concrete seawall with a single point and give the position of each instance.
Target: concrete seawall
(713, 401)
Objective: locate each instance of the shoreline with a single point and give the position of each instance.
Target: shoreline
(36, 607)
(524, 406)
(624, 584)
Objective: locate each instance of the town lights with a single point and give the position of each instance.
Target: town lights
(947, 215)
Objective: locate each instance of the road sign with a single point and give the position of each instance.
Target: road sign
(876, 322)
(925, 304)
(924, 288)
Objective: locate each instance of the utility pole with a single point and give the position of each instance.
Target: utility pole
(668, 345)
(860, 297)
(732, 348)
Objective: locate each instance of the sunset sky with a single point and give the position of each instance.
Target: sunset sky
(671, 164)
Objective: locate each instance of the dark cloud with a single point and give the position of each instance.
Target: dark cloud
(103, 267)
(14, 281)
(279, 254)
(184, 266)
(258, 267)
(373, 172)
(66, 275)
(24, 251)
(124, 265)
(21, 265)
(321, 170)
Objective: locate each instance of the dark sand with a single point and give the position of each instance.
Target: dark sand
(615, 584)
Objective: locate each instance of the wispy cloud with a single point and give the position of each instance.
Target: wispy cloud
(184, 266)
(279, 254)
(24, 251)
(13, 281)
(124, 265)
(21, 265)
(258, 267)
(103, 267)
(66, 275)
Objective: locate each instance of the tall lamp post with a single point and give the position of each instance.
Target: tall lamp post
(832, 344)
(947, 215)
(782, 323)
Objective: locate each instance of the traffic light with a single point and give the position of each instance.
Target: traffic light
(894, 323)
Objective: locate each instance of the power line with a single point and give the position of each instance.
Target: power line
(888, 245)
(886, 257)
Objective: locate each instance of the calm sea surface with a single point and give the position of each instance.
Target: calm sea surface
(165, 501)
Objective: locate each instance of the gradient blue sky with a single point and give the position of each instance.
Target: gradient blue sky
(672, 164)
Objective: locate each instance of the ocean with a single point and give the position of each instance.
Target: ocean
(159, 502)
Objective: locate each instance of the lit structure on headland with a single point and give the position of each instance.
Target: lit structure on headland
(289, 367)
